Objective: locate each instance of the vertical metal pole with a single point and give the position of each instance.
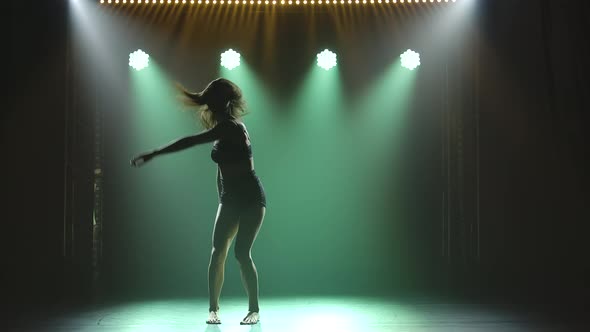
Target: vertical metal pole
(444, 167)
(97, 219)
(448, 144)
(443, 172)
(477, 145)
(66, 166)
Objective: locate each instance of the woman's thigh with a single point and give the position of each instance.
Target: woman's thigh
(251, 218)
(226, 227)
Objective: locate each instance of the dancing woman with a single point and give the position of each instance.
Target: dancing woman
(242, 198)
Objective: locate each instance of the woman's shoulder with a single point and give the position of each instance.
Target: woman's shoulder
(235, 123)
(230, 127)
(227, 123)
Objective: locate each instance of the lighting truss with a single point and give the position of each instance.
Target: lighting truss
(269, 2)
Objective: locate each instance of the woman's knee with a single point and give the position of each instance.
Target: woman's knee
(218, 254)
(243, 255)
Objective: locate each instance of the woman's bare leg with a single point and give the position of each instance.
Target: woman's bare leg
(250, 222)
(225, 229)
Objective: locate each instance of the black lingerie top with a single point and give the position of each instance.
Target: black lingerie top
(227, 150)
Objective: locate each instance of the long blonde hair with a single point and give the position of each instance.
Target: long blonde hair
(221, 92)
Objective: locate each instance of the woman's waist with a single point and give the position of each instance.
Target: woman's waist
(240, 179)
(238, 176)
(246, 183)
(237, 169)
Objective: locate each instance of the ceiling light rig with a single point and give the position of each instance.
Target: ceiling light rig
(270, 2)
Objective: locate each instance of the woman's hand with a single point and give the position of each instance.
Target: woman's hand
(142, 159)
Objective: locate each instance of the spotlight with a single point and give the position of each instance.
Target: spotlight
(139, 60)
(326, 59)
(410, 59)
(230, 59)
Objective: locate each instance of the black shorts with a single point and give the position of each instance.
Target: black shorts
(244, 191)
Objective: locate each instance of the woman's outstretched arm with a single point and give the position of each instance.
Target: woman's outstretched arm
(180, 144)
(187, 142)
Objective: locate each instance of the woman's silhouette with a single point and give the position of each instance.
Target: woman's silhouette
(241, 195)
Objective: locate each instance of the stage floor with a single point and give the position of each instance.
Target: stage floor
(301, 314)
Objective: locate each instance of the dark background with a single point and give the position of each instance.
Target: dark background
(533, 103)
